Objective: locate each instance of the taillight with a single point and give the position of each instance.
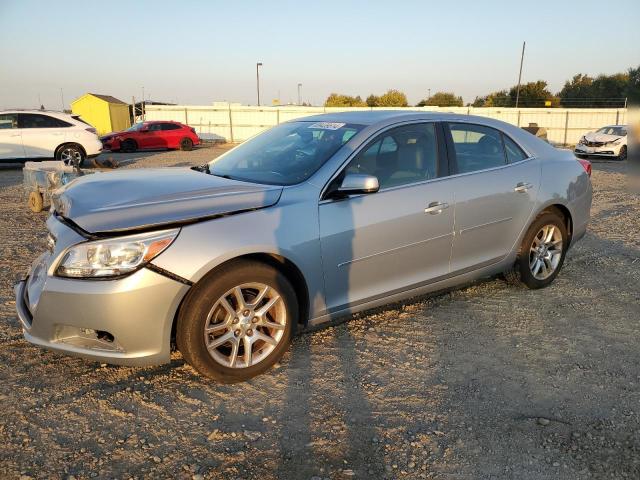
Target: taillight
(586, 164)
(92, 130)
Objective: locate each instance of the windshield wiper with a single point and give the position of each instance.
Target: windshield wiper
(202, 168)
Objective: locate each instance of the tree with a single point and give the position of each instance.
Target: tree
(373, 100)
(441, 99)
(340, 100)
(577, 90)
(602, 91)
(533, 94)
(392, 98)
(500, 98)
(633, 86)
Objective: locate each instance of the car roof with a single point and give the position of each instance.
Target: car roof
(387, 117)
(53, 113)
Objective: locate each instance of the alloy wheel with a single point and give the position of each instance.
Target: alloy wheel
(71, 156)
(245, 325)
(545, 252)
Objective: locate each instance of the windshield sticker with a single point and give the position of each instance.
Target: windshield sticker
(328, 125)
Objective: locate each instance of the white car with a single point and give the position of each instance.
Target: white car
(40, 134)
(608, 141)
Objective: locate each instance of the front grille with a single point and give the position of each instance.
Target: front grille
(595, 144)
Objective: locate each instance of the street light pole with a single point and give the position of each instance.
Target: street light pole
(142, 105)
(258, 65)
(299, 94)
(520, 74)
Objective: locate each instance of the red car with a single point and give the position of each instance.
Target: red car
(151, 135)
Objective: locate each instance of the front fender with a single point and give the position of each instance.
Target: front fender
(290, 231)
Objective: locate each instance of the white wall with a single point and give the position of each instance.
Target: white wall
(236, 123)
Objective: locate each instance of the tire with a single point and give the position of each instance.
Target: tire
(70, 155)
(622, 154)
(204, 308)
(548, 265)
(128, 145)
(35, 201)
(186, 144)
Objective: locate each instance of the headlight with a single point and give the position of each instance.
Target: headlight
(115, 256)
(583, 140)
(615, 142)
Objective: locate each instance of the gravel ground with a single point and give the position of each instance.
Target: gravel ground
(488, 381)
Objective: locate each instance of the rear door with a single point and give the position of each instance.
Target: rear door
(495, 187)
(377, 244)
(172, 133)
(41, 134)
(10, 137)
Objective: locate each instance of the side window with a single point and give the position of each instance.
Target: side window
(400, 156)
(170, 126)
(36, 120)
(514, 152)
(155, 127)
(476, 147)
(8, 120)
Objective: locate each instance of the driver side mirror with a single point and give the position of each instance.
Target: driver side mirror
(358, 183)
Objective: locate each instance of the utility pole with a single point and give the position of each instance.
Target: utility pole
(142, 105)
(258, 65)
(520, 74)
(299, 94)
(62, 99)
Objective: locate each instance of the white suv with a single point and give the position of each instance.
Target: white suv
(37, 134)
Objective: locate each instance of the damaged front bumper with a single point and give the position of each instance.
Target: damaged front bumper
(125, 321)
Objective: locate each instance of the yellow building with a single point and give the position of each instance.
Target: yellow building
(104, 112)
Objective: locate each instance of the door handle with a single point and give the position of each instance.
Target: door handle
(522, 187)
(435, 208)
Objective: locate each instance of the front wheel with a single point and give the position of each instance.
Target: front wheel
(237, 322)
(128, 146)
(541, 254)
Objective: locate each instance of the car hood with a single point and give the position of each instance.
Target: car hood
(601, 137)
(144, 198)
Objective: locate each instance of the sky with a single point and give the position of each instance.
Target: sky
(198, 52)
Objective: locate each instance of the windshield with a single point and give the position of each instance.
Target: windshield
(619, 131)
(284, 155)
(135, 127)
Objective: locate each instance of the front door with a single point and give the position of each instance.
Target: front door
(10, 137)
(377, 244)
(495, 190)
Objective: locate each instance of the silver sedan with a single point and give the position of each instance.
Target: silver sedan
(310, 221)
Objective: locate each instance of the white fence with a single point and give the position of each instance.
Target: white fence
(236, 123)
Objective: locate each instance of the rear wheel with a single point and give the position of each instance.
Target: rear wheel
(186, 144)
(622, 155)
(238, 322)
(541, 254)
(128, 145)
(70, 155)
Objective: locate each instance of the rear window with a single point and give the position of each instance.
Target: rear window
(514, 152)
(37, 120)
